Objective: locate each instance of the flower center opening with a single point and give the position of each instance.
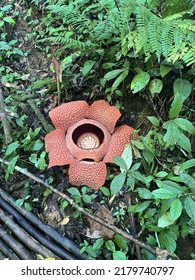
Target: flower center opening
(88, 136)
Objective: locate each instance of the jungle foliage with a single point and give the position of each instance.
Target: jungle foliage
(116, 50)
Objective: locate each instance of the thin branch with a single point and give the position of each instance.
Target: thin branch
(64, 242)
(7, 252)
(35, 233)
(83, 211)
(132, 222)
(47, 127)
(5, 122)
(30, 242)
(18, 248)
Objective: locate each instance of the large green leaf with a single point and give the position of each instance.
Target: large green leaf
(139, 207)
(140, 81)
(120, 79)
(88, 65)
(183, 88)
(112, 74)
(172, 134)
(11, 148)
(163, 193)
(186, 165)
(189, 205)
(155, 86)
(188, 180)
(176, 209)
(127, 155)
(185, 125)
(144, 193)
(117, 183)
(120, 162)
(184, 142)
(165, 220)
(176, 106)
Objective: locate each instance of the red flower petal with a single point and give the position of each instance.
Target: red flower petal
(92, 174)
(84, 126)
(120, 138)
(102, 112)
(55, 145)
(68, 114)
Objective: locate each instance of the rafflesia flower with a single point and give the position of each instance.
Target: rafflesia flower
(86, 138)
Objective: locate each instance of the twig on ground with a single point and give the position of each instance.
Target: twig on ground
(47, 127)
(18, 248)
(6, 251)
(132, 222)
(5, 122)
(64, 242)
(83, 211)
(48, 243)
(30, 242)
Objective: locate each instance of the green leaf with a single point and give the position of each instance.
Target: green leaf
(144, 193)
(176, 209)
(183, 88)
(9, 20)
(155, 86)
(164, 70)
(188, 180)
(98, 244)
(37, 145)
(118, 255)
(6, 8)
(172, 186)
(121, 241)
(139, 207)
(185, 125)
(176, 106)
(184, 142)
(119, 80)
(112, 74)
(41, 83)
(127, 155)
(161, 174)
(189, 205)
(4, 46)
(148, 155)
(88, 65)
(105, 191)
(11, 148)
(140, 81)
(11, 167)
(163, 193)
(120, 162)
(110, 245)
(186, 165)
(165, 220)
(117, 183)
(172, 134)
(167, 241)
(74, 191)
(154, 121)
(63, 204)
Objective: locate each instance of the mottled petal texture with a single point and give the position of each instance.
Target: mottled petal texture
(102, 112)
(119, 139)
(91, 174)
(55, 145)
(68, 114)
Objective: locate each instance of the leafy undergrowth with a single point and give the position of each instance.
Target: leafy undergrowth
(150, 192)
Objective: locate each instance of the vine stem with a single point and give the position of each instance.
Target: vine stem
(5, 122)
(128, 236)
